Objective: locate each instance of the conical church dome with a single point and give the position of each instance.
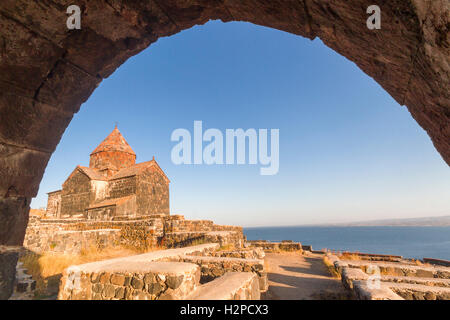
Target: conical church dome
(113, 154)
(114, 142)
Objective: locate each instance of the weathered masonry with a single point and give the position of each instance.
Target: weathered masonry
(48, 71)
(112, 186)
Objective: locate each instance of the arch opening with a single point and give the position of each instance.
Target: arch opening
(49, 71)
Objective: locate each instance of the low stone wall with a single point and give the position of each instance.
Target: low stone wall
(420, 292)
(182, 239)
(373, 257)
(375, 280)
(248, 253)
(214, 267)
(231, 286)
(73, 242)
(159, 275)
(129, 281)
(179, 224)
(43, 235)
(439, 262)
(394, 288)
(141, 232)
(402, 269)
(266, 245)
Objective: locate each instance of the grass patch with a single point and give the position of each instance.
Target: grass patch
(330, 266)
(47, 268)
(350, 256)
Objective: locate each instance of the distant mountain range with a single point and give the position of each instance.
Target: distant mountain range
(442, 221)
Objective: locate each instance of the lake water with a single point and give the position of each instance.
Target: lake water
(410, 242)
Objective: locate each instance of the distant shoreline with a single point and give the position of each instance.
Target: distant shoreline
(442, 221)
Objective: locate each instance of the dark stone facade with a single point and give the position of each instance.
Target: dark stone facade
(75, 194)
(113, 185)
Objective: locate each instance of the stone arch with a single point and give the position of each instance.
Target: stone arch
(48, 71)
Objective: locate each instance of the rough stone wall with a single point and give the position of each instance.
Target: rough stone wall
(140, 232)
(182, 239)
(76, 194)
(122, 207)
(102, 213)
(73, 242)
(54, 204)
(399, 280)
(122, 187)
(152, 193)
(214, 267)
(45, 235)
(248, 253)
(178, 224)
(286, 246)
(78, 284)
(111, 161)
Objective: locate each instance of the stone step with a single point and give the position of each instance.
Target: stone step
(231, 286)
(26, 286)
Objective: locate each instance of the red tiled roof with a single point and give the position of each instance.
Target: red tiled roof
(138, 169)
(114, 142)
(92, 173)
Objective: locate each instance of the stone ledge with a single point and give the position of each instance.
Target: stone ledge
(419, 291)
(350, 274)
(364, 292)
(214, 267)
(401, 269)
(432, 282)
(231, 286)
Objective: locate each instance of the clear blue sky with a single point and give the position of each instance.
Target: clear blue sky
(348, 151)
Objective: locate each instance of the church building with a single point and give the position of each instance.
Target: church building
(113, 185)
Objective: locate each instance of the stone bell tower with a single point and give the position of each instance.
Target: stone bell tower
(112, 155)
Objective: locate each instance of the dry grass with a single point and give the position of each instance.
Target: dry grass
(350, 256)
(227, 247)
(47, 268)
(330, 267)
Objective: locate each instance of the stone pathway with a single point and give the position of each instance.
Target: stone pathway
(301, 277)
